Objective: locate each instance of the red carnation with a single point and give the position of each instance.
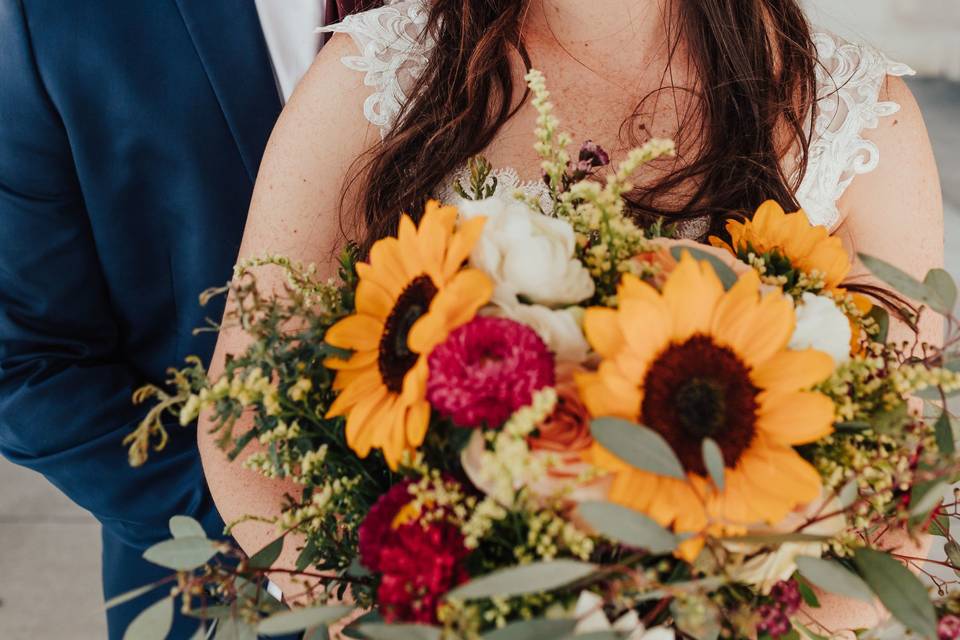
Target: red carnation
(377, 527)
(419, 562)
(486, 370)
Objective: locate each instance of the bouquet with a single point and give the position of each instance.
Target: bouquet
(512, 423)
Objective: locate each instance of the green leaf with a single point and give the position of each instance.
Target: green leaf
(186, 527)
(301, 619)
(181, 554)
(380, 631)
(724, 273)
(942, 286)
(833, 577)
(808, 633)
(897, 278)
(849, 494)
(153, 623)
(927, 498)
(806, 592)
(234, 629)
(776, 538)
(940, 526)
(265, 558)
(713, 460)
(944, 432)
(882, 317)
(952, 551)
(899, 590)
(533, 630)
(524, 579)
(596, 635)
(368, 618)
(131, 595)
(638, 446)
(628, 527)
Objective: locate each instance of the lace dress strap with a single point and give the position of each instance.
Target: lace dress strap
(850, 78)
(393, 52)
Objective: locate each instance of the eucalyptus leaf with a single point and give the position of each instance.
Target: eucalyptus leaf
(370, 617)
(234, 629)
(952, 551)
(153, 623)
(929, 500)
(380, 631)
(320, 633)
(897, 278)
(186, 527)
(638, 446)
(301, 619)
(776, 538)
(808, 633)
(899, 590)
(713, 460)
(724, 272)
(944, 433)
(627, 527)
(265, 558)
(833, 577)
(882, 317)
(181, 554)
(597, 635)
(849, 494)
(533, 630)
(942, 285)
(940, 526)
(130, 595)
(524, 579)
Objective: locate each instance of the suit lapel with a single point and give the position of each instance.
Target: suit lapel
(231, 46)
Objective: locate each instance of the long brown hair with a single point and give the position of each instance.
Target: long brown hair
(754, 62)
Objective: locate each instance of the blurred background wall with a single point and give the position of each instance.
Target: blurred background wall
(49, 549)
(922, 33)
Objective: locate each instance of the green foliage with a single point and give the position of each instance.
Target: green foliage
(638, 446)
(900, 591)
(627, 527)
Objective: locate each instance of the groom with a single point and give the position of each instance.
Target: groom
(130, 136)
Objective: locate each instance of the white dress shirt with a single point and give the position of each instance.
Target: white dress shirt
(290, 28)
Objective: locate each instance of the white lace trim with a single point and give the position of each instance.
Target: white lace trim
(394, 51)
(392, 55)
(850, 78)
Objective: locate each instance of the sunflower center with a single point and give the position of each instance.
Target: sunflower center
(697, 390)
(396, 358)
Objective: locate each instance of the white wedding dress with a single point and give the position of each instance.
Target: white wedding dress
(849, 80)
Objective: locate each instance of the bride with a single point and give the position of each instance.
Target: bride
(760, 104)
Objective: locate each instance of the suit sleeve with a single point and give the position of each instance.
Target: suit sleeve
(65, 387)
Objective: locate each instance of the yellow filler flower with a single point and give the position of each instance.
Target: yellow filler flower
(413, 284)
(695, 362)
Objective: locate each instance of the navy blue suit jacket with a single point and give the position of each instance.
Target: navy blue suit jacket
(130, 136)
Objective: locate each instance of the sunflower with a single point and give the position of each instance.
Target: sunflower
(409, 297)
(791, 243)
(695, 362)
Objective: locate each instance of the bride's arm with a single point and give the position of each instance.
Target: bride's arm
(294, 213)
(894, 213)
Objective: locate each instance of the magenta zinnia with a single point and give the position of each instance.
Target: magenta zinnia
(486, 370)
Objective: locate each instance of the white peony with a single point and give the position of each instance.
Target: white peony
(765, 570)
(821, 325)
(591, 619)
(527, 254)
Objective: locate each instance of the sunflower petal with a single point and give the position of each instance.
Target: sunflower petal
(793, 370)
(362, 421)
(691, 293)
(452, 307)
(462, 243)
(602, 330)
(373, 300)
(794, 418)
(356, 332)
(385, 258)
(364, 383)
(600, 401)
(418, 420)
